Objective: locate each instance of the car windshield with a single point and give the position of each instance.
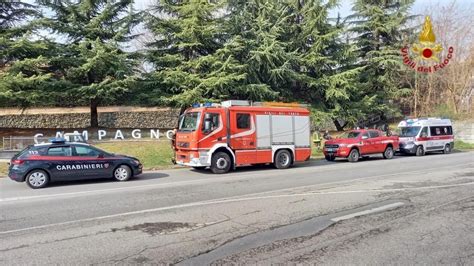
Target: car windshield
(189, 121)
(350, 135)
(409, 131)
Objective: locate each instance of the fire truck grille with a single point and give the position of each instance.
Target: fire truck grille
(183, 144)
(331, 146)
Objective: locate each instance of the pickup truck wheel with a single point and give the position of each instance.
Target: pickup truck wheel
(353, 156)
(388, 153)
(330, 158)
(419, 151)
(447, 149)
(220, 163)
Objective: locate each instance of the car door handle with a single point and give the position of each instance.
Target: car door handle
(219, 138)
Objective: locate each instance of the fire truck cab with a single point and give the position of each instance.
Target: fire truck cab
(238, 133)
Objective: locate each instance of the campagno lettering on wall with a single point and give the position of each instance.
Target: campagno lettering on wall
(102, 134)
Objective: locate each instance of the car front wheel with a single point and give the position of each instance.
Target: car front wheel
(420, 151)
(37, 179)
(122, 173)
(353, 156)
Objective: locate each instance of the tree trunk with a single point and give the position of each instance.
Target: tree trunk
(338, 125)
(94, 115)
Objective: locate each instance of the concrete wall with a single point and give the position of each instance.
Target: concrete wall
(464, 130)
(79, 118)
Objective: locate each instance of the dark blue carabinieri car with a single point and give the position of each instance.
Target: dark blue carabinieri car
(60, 160)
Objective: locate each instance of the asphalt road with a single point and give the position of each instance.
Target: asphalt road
(402, 211)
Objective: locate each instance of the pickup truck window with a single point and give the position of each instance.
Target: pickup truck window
(374, 134)
(351, 135)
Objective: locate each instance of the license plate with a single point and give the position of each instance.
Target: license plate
(330, 149)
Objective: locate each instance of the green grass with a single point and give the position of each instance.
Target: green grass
(461, 145)
(152, 154)
(3, 168)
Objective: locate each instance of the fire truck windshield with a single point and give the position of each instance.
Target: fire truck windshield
(189, 121)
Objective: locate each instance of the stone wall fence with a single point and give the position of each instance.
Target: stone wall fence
(159, 118)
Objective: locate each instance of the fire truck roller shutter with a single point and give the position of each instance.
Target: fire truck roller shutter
(282, 130)
(302, 132)
(264, 144)
(302, 138)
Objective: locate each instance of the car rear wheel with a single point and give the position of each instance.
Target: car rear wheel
(447, 149)
(37, 179)
(419, 151)
(282, 159)
(122, 173)
(353, 156)
(388, 153)
(330, 158)
(220, 163)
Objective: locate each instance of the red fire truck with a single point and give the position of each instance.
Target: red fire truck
(238, 133)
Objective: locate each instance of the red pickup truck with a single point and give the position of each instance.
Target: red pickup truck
(357, 143)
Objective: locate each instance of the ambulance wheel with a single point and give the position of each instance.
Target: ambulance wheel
(122, 173)
(353, 156)
(419, 151)
(447, 149)
(388, 153)
(330, 158)
(282, 159)
(220, 163)
(37, 179)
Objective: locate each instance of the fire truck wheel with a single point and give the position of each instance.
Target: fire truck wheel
(388, 153)
(353, 156)
(282, 159)
(330, 158)
(419, 151)
(221, 163)
(447, 149)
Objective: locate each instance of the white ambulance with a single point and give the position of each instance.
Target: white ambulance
(421, 135)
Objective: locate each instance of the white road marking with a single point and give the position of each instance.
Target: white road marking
(370, 211)
(224, 200)
(207, 180)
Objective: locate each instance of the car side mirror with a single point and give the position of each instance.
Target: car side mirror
(424, 135)
(365, 137)
(101, 155)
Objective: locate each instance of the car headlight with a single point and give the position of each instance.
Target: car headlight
(342, 145)
(137, 162)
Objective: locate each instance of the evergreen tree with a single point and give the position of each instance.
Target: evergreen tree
(191, 62)
(379, 26)
(93, 66)
(23, 59)
(261, 34)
